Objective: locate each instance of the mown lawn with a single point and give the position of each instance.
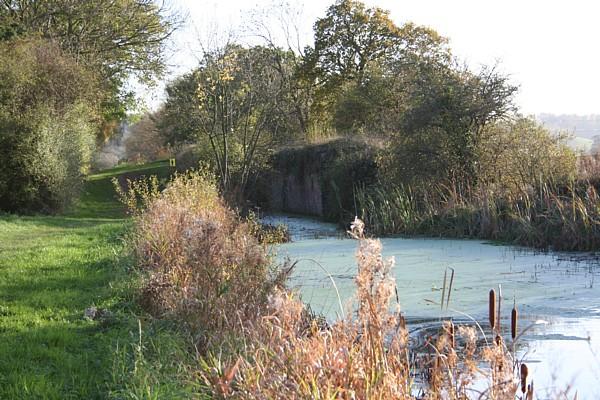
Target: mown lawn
(51, 270)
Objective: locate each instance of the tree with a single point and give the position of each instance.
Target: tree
(520, 154)
(116, 38)
(240, 93)
(355, 45)
(48, 112)
(235, 107)
(439, 122)
(119, 36)
(181, 118)
(349, 38)
(145, 142)
(278, 26)
(364, 109)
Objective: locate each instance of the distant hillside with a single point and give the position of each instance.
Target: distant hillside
(585, 128)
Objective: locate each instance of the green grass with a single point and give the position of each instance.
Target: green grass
(51, 270)
(98, 199)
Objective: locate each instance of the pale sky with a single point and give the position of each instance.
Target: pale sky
(549, 48)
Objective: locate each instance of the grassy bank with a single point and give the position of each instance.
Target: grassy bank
(51, 270)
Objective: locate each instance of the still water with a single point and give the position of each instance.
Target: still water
(558, 292)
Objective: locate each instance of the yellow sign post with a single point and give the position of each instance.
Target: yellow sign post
(171, 162)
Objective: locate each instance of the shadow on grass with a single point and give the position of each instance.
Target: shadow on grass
(48, 349)
(59, 360)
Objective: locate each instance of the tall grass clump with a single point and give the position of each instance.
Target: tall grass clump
(200, 263)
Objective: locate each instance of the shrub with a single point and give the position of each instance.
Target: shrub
(521, 154)
(202, 264)
(64, 153)
(188, 158)
(267, 233)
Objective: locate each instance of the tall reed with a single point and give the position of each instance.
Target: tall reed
(550, 216)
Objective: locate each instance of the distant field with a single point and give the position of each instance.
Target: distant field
(51, 270)
(580, 144)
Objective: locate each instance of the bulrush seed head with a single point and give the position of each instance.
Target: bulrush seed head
(492, 309)
(514, 316)
(524, 373)
(451, 334)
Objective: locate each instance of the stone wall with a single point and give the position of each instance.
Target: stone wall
(299, 194)
(319, 179)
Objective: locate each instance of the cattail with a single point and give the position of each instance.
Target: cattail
(499, 309)
(450, 332)
(450, 288)
(402, 322)
(530, 391)
(492, 311)
(443, 290)
(514, 315)
(524, 372)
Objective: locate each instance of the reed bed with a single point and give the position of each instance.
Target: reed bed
(561, 218)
